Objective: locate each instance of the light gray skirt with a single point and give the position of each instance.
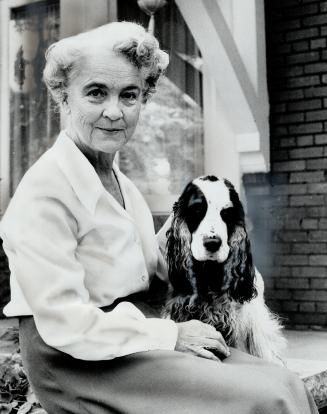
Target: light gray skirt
(158, 382)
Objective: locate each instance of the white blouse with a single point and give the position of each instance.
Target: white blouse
(72, 248)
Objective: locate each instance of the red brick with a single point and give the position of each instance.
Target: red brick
(316, 164)
(295, 212)
(287, 142)
(304, 295)
(321, 295)
(318, 260)
(303, 10)
(278, 294)
(292, 283)
(293, 236)
(307, 248)
(307, 128)
(309, 318)
(308, 152)
(309, 272)
(309, 224)
(318, 283)
(281, 155)
(307, 177)
(302, 81)
(305, 140)
(292, 260)
(318, 91)
(317, 188)
(319, 235)
(289, 189)
(318, 43)
(316, 212)
(316, 115)
(321, 307)
(320, 67)
(278, 271)
(315, 20)
(305, 57)
(277, 108)
(321, 139)
(279, 201)
(285, 96)
(323, 224)
(307, 307)
(289, 166)
(314, 200)
(278, 131)
(292, 70)
(289, 118)
(281, 248)
(305, 105)
(301, 34)
(289, 306)
(284, 48)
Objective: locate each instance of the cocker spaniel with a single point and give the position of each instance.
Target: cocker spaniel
(211, 269)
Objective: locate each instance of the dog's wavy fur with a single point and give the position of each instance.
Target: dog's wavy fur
(227, 295)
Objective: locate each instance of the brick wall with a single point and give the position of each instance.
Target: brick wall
(289, 206)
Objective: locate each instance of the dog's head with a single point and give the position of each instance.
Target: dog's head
(209, 225)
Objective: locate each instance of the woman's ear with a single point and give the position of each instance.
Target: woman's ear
(64, 104)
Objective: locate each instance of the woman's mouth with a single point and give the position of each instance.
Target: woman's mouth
(111, 130)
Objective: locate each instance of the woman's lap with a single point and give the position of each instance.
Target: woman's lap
(158, 382)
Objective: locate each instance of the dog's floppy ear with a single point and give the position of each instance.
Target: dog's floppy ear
(239, 271)
(178, 248)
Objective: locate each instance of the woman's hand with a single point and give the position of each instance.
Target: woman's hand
(198, 338)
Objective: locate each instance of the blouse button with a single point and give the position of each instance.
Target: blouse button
(143, 278)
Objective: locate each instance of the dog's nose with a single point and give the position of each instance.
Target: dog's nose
(212, 244)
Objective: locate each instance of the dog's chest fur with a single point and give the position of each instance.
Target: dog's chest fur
(219, 311)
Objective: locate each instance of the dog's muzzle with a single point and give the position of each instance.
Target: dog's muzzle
(212, 244)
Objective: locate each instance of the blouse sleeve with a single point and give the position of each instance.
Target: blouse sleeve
(41, 249)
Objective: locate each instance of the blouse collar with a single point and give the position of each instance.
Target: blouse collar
(79, 171)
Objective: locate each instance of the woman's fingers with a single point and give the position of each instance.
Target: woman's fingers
(216, 345)
(220, 344)
(204, 353)
(199, 338)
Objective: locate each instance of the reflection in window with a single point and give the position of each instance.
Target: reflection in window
(167, 148)
(33, 122)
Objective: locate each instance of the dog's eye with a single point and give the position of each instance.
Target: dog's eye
(196, 208)
(227, 214)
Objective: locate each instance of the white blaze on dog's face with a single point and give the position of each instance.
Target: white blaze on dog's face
(210, 238)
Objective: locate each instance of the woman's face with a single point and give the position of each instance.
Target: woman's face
(103, 102)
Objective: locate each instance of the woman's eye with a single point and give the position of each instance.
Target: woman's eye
(130, 97)
(96, 93)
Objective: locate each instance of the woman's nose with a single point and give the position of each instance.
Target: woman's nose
(113, 111)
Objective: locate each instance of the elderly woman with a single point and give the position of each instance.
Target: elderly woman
(82, 251)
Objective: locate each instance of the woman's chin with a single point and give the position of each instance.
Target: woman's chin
(110, 143)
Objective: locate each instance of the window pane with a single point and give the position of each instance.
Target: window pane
(33, 122)
(167, 148)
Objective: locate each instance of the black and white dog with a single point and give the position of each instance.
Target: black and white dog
(211, 270)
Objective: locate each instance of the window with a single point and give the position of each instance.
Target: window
(34, 124)
(167, 148)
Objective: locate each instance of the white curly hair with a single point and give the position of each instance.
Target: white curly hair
(131, 40)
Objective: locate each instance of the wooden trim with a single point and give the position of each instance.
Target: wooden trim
(18, 3)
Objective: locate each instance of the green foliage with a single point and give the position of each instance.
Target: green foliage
(16, 395)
